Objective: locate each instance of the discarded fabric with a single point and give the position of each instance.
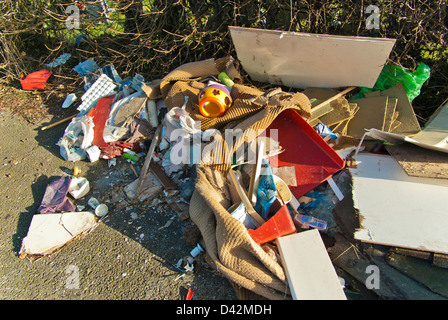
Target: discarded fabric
(55, 198)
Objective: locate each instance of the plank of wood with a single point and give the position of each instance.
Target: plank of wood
(310, 273)
(152, 148)
(420, 162)
(166, 181)
(249, 208)
(310, 60)
(253, 186)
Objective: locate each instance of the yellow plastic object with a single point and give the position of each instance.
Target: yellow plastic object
(214, 100)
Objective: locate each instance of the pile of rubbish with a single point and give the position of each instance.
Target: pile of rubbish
(276, 171)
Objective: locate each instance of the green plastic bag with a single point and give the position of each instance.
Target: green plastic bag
(392, 75)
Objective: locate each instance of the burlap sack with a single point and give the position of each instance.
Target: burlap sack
(227, 242)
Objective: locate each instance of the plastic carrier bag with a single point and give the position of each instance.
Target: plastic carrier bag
(78, 136)
(392, 75)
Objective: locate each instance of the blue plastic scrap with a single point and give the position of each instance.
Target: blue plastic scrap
(80, 39)
(112, 73)
(86, 67)
(137, 82)
(59, 60)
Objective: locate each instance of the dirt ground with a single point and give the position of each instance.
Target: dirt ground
(122, 258)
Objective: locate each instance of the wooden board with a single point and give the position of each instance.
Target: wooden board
(420, 162)
(303, 60)
(396, 209)
(310, 273)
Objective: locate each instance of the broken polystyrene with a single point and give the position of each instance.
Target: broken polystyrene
(152, 113)
(49, 232)
(102, 87)
(69, 100)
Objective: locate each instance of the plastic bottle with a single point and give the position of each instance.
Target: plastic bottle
(130, 156)
(224, 78)
(266, 192)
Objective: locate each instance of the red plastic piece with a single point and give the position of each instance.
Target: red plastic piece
(100, 114)
(279, 225)
(189, 294)
(314, 160)
(36, 80)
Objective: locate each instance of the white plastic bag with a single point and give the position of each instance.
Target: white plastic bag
(78, 136)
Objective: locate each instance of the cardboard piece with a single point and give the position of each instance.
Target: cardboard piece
(310, 273)
(434, 135)
(390, 115)
(341, 111)
(150, 187)
(335, 113)
(396, 209)
(303, 60)
(371, 114)
(406, 116)
(126, 113)
(49, 232)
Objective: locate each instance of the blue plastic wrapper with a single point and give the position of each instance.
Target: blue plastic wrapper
(266, 192)
(324, 131)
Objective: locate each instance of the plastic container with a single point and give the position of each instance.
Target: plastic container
(266, 191)
(214, 100)
(196, 251)
(308, 222)
(313, 159)
(281, 224)
(225, 79)
(79, 187)
(100, 209)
